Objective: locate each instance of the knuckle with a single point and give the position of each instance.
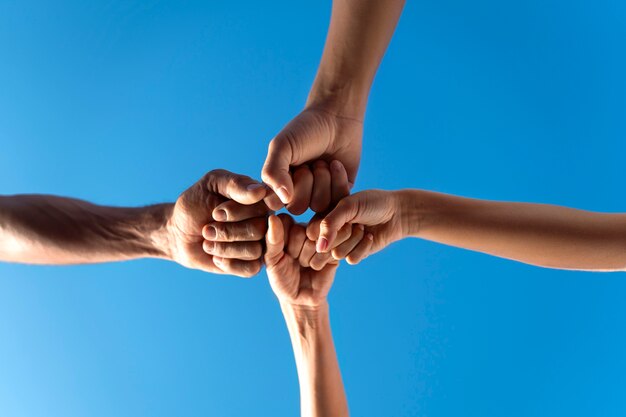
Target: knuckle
(326, 225)
(251, 251)
(339, 253)
(224, 234)
(267, 174)
(252, 230)
(215, 173)
(233, 182)
(248, 269)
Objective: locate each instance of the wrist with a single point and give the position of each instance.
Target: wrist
(305, 317)
(346, 99)
(158, 230)
(415, 211)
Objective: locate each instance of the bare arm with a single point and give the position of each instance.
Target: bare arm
(44, 229)
(536, 234)
(222, 207)
(302, 291)
(321, 386)
(357, 39)
(330, 127)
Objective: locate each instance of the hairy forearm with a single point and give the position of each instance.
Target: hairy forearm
(321, 388)
(538, 234)
(358, 35)
(43, 229)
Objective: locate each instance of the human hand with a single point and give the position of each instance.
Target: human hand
(231, 247)
(381, 212)
(314, 134)
(298, 275)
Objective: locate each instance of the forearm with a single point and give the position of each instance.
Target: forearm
(358, 35)
(321, 388)
(42, 229)
(538, 234)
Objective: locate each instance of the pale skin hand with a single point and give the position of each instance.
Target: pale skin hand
(331, 124)
(379, 211)
(302, 293)
(43, 229)
(537, 234)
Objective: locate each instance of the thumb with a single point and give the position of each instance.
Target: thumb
(347, 211)
(274, 241)
(240, 188)
(275, 171)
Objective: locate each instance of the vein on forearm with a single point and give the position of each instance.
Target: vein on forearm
(51, 229)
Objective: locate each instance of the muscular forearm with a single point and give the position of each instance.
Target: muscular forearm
(41, 229)
(543, 235)
(359, 33)
(321, 387)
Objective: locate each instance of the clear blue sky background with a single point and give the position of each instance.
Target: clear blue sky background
(129, 102)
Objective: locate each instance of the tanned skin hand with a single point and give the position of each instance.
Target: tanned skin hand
(44, 229)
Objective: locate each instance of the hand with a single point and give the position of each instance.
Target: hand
(381, 212)
(288, 254)
(233, 247)
(298, 275)
(315, 134)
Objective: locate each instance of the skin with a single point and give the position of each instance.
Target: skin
(302, 293)
(332, 188)
(330, 127)
(43, 229)
(536, 234)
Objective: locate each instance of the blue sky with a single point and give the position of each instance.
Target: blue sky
(129, 102)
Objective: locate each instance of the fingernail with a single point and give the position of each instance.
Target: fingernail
(254, 186)
(220, 215)
(370, 236)
(218, 261)
(283, 195)
(322, 245)
(361, 227)
(211, 233)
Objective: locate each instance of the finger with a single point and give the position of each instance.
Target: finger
(199, 259)
(244, 231)
(246, 251)
(275, 171)
(303, 186)
(320, 198)
(297, 237)
(320, 260)
(274, 241)
(362, 250)
(288, 224)
(244, 269)
(313, 228)
(340, 187)
(343, 234)
(232, 211)
(236, 187)
(272, 201)
(308, 250)
(342, 250)
(345, 212)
